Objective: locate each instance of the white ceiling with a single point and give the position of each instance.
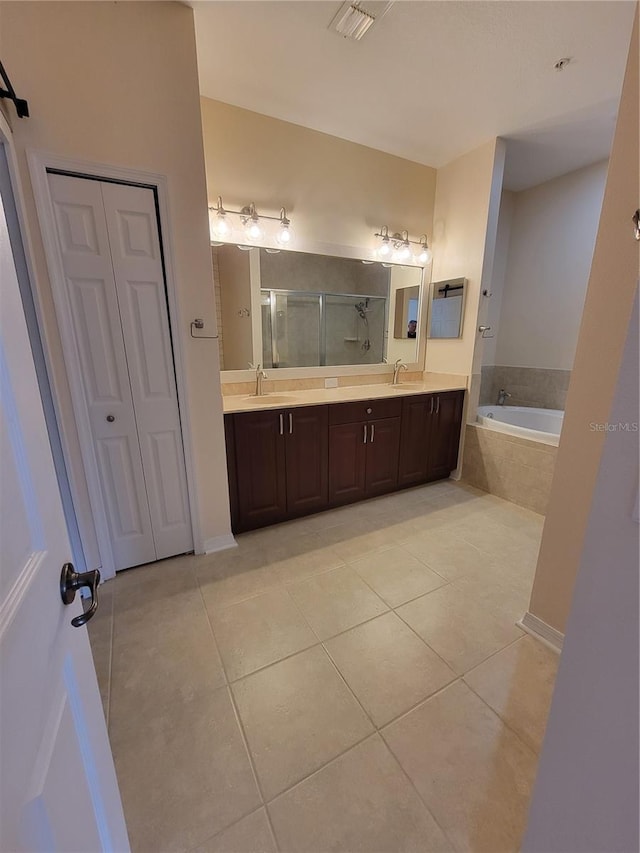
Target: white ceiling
(432, 79)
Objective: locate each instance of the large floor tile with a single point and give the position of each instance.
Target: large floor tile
(335, 601)
(396, 575)
(387, 666)
(518, 684)
(297, 714)
(450, 556)
(473, 772)
(360, 803)
(234, 578)
(289, 569)
(250, 835)
(260, 631)
(361, 542)
(184, 774)
(163, 651)
(461, 631)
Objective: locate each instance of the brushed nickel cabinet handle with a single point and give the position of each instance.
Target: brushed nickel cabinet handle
(373, 432)
(281, 424)
(290, 424)
(365, 435)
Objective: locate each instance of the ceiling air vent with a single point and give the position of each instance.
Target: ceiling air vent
(353, 20)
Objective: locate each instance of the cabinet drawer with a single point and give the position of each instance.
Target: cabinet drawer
(364, 410)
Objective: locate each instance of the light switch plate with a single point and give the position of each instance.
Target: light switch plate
(331, 383)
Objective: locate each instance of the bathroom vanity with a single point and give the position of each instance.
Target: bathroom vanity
(289, 460)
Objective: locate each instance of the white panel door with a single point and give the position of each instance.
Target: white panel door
(88, 270)
(58, 789)
(139, 276)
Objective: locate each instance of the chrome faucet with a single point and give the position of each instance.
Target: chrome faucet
(502, 397)
(260, 376)
(397, 367)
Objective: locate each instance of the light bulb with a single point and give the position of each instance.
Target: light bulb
(384, 249)
(424, 256)
(284, 237)
(404, 252)
(221, 227)
(253, 229)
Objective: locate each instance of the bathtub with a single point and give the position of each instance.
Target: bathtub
(542, 425)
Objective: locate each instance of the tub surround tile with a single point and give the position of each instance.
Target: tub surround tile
(297, 714)
(516, 469)
(359, 803)
(474, 773)
(529, 386)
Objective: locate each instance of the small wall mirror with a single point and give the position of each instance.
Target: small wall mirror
(405, 324)
(296, 309)
(447, 308)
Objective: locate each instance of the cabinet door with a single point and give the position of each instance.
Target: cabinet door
(414, 440)
(307, 459)
(347, 463)
(383, 445)
(260, 468)
(444, 435)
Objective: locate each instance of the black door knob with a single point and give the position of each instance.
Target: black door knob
(70, 582)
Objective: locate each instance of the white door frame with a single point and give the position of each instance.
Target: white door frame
(39, 162)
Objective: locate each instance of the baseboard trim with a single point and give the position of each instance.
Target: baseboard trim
(219, 543)
(551, 637)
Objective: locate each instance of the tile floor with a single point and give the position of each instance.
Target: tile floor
(353, 681)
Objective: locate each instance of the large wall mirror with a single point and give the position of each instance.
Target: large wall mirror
(294, 309)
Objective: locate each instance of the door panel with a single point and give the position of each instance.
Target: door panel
(347, 463)
(260, 468)
(86, 260)
(307, 440)
(140, 287)
(414, 440)
(58, 788)
(382, 456)
(445, 434)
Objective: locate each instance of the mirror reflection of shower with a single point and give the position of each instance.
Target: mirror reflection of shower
(363, 309)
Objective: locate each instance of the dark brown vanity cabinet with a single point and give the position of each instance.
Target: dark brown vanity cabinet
(364, 442)
(430, 437)
(277, 462)
(288, 462)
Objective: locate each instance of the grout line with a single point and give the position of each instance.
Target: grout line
(506, 724)
(415, 788)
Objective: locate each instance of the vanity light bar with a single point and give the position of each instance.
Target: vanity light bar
(221, 228)
(397, 247)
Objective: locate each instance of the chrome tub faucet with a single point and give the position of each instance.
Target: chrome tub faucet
(502, 397)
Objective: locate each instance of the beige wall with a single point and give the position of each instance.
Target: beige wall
(607, 309)
(116, 83)
(336, 192)
(552, 235)
(465, 221)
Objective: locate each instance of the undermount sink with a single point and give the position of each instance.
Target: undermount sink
(270, 399)
(407, 386)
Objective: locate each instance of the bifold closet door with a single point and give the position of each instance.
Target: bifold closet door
(113, 274)
(139, 278)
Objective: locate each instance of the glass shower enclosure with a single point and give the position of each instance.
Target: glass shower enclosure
(303, 329)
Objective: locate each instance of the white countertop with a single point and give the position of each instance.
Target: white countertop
(345, 394)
